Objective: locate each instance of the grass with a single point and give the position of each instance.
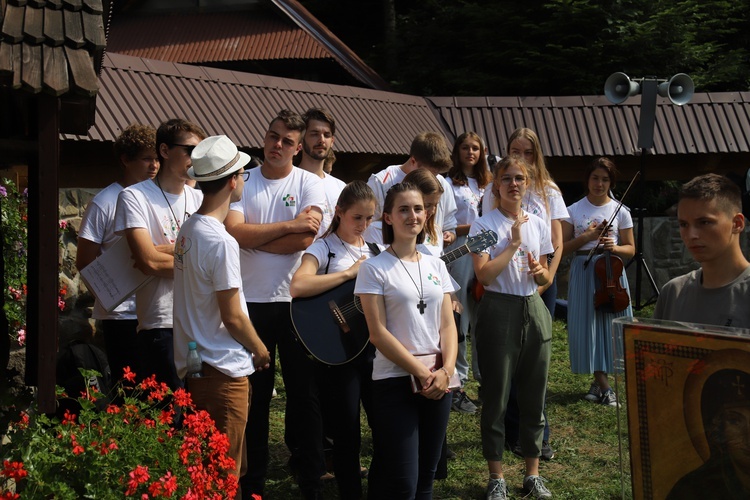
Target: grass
(584, 435)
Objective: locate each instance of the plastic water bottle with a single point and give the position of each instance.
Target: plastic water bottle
(194, 361)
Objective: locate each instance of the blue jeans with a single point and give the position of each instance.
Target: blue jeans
(408, 431)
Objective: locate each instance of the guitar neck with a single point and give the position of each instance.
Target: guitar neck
(456, 253)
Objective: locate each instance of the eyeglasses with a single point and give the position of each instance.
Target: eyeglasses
(245, 175)
(507, 179)
(188, 147)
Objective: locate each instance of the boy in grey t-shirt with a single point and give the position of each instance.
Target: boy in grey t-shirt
(709, 213)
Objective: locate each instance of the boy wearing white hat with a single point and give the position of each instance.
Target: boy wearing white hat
(209, 305)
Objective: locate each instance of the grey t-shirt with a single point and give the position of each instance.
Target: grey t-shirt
(685, 299)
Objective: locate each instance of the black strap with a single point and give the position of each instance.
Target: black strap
(374, 248)
(331, 255)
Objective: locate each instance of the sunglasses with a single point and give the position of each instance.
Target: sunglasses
(188, 148)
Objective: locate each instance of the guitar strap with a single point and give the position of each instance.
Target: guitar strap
(374, 248)
(330, 255)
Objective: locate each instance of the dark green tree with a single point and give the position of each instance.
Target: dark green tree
(544, 47)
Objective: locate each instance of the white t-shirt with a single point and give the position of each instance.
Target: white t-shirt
(467, 198)
(98, 226)
(332, 187)
(419, 333)
(344, 255)
(144, 205)
(381, 182)
(266, 276)
(583, 213)
(534, 204)
(206, 261)
(535, 239)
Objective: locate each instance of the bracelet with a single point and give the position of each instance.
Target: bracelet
(446, 372)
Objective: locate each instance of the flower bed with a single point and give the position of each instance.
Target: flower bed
(132, 449)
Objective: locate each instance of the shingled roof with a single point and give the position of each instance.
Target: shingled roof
(51, 45)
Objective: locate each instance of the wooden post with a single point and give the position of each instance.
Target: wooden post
(41, 312)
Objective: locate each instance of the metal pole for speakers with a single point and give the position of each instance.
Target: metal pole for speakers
(618, 87)
(645, 142)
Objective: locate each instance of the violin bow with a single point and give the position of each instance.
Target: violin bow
(612, 219)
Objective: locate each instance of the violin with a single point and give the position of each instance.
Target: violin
(609, 296)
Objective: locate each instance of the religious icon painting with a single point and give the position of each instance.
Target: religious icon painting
(688, 409)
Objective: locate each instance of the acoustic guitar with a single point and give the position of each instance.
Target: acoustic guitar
(331, 326)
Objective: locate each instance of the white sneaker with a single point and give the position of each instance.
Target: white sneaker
(534, 486)
(609, 398)
(497, 490)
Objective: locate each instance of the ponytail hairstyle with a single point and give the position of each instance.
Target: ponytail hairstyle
(353, 193)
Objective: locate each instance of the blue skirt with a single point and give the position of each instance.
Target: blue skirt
(589, 330)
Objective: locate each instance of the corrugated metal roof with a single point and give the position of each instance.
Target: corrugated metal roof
(241, 105)
(250, 35)
(592, 126)
(212, 37)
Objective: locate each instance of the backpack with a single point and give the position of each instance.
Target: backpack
(70, 358)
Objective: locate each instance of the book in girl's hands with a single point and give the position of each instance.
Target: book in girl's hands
(433, 362)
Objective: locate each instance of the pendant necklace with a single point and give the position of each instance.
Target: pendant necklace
(421, 305)
(176, 221)
(361, 253)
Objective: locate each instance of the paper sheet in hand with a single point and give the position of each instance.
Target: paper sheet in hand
(112, 277)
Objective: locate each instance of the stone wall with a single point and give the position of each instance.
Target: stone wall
(75, 319)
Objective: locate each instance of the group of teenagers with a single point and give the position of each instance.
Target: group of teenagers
(228, 256)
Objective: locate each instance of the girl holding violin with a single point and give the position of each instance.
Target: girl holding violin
(328, 262)
(600, 286)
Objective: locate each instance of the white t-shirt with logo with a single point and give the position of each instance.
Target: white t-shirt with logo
(206, 261)
(401, 286)
(535, 239)
(144, 205)
(266, 276)
(98, 226)
(467, 198)
(583, 213)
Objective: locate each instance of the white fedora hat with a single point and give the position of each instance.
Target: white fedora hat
(216, 157)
